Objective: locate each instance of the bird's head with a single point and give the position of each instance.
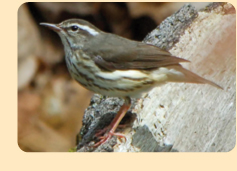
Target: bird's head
(74, 32)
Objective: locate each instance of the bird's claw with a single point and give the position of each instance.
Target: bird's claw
(107, 136)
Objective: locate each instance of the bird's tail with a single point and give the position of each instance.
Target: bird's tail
(177, 73)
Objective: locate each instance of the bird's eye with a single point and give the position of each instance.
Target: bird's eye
(74, 28)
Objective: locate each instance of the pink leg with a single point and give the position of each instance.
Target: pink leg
(114, 124)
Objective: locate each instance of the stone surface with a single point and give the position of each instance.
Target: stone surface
(97, 116)
(172, 28)
(188, 117)
(198, 118)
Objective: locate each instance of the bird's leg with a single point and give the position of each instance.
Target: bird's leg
(114, 124)
(102, 131)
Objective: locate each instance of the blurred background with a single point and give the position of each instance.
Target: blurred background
(50, 103)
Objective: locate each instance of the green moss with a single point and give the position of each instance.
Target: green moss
(73, 149)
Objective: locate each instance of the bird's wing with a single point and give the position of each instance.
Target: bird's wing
(119, 53)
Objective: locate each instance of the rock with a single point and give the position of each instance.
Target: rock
(158, 11)
(187, 117)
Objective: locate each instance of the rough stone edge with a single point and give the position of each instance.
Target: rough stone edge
(165, 36)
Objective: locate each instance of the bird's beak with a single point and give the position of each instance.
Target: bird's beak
(53, 27)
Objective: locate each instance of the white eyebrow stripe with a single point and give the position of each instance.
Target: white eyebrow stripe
(86, 28)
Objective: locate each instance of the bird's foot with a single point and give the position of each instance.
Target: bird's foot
(107, 136)
(114, 124)
(104, 130)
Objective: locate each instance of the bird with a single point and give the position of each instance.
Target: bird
(114, 66)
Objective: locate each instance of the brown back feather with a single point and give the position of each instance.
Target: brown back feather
(126, 54)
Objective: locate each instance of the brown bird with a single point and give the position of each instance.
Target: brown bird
(114, 66)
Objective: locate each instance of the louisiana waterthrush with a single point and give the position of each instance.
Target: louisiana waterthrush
(114, 66)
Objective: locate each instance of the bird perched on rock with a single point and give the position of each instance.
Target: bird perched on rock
(114, 66)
